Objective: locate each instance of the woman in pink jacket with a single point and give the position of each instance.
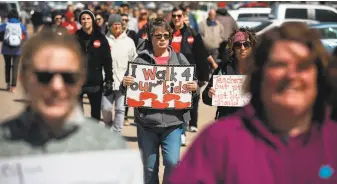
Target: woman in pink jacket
(285, 135)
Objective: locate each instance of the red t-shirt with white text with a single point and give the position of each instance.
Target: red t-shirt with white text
(176, 41)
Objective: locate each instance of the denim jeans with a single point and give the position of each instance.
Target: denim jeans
(149, 141)
(107, 104)
(184, 128)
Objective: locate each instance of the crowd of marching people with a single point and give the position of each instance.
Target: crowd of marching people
(286, 134)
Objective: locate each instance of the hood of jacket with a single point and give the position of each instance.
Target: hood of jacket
(85, 36)
(13, 20)
(121, 36)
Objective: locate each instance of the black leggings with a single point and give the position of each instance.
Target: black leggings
(126, 113)
(194, 112)
(95, 103)
(11, 61)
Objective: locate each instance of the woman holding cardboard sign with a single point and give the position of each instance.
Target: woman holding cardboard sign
(240, 44)
(159, 127)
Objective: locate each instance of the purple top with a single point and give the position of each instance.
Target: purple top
(239, 149)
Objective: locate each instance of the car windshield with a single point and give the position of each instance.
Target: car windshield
(203, 7)
(244, 16)
(262, 26)
(328, 33)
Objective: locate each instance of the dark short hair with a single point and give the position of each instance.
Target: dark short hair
(152, 25)
(13, 14)
(98, 8)
(177, 8)
(57, 12)
(334, 53)
(183, 6)
(124, 14)
(292, 31)
(332, 66)
(124, 5)
(101, 14)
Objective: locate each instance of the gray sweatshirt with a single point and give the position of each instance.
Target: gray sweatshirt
(157, 117)
(28, 135)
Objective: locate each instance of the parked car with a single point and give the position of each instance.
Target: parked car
(251, 22)
(255, 5)
(58, 5)
(267, 25)
(328, 33)
(243, 13)
(319, 13)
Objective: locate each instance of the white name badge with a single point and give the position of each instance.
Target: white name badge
(101, 167)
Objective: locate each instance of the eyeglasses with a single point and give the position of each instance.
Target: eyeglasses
(44, 77)
(57, 18)
(159, 36)
(238, 45)
(179, 16)
(125, 20)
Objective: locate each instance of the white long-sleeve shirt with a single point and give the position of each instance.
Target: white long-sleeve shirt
(123, 50)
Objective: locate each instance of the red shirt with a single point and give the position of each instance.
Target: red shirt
(70, 26)
(162, 60)
(144, 36)
(176, 41)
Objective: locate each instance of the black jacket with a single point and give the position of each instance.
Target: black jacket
(133, 35)
(98, 55)
(140, 35)
(223, 69)
(195, 51)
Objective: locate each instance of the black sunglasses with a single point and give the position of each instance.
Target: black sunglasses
(179, 16)
(238, 45)
(45, 77)
(125, 20)
(159, 36)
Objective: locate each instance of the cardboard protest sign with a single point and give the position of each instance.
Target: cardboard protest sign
(228, 91)
(160, 86)
(94, 167)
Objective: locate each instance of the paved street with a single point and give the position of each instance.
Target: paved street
(13, 103)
